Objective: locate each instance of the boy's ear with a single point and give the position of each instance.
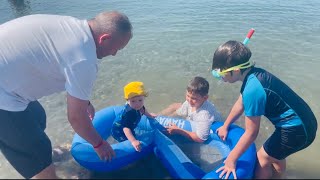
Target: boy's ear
(206, 97)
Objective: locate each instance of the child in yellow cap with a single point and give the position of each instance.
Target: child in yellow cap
(123, 128)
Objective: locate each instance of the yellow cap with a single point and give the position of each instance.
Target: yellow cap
(133, 89)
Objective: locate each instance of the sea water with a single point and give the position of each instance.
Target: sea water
(174, 41)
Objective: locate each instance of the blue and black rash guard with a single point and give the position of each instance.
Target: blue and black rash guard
(129, 118)
(265, 94)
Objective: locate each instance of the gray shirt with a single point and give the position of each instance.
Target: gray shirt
(201, 119)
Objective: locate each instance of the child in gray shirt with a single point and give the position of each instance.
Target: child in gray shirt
(197, 109)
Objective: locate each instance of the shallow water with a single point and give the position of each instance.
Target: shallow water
(174, 41)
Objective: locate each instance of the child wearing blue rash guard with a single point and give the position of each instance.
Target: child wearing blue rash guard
(123, 128)
(262, 94)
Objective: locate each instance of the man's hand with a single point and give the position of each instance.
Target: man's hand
(105, 151)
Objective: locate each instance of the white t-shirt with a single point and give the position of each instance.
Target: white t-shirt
(201, 119)
(44, 54)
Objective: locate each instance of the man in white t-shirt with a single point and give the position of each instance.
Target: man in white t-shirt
(43, 54)
(196, 109)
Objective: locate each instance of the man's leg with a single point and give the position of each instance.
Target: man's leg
(24, 143)
(47, 173)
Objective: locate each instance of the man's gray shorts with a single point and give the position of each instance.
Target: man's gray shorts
(23, 140)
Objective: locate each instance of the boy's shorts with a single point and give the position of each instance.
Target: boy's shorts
(23, 140)
(287, 140)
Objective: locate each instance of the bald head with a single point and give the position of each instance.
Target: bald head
(110, 23)
(111, 32)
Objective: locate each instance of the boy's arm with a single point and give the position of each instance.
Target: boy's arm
(252, 125)
(135, 143)
(173, 129)
(129, 134)
(171, 110)
(235, 112)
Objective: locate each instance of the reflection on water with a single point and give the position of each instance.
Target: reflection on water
(20, 7)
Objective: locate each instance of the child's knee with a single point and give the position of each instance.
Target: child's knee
(263, 157)
(267, 161)
(279, 166)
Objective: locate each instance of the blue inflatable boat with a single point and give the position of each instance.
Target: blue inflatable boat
(149, 132)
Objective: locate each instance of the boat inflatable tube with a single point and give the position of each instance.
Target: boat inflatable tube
(150, 133)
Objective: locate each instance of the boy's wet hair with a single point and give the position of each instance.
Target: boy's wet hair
(229, 54)
(198, 85)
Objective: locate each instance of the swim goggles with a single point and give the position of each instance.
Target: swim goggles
(220, 74)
